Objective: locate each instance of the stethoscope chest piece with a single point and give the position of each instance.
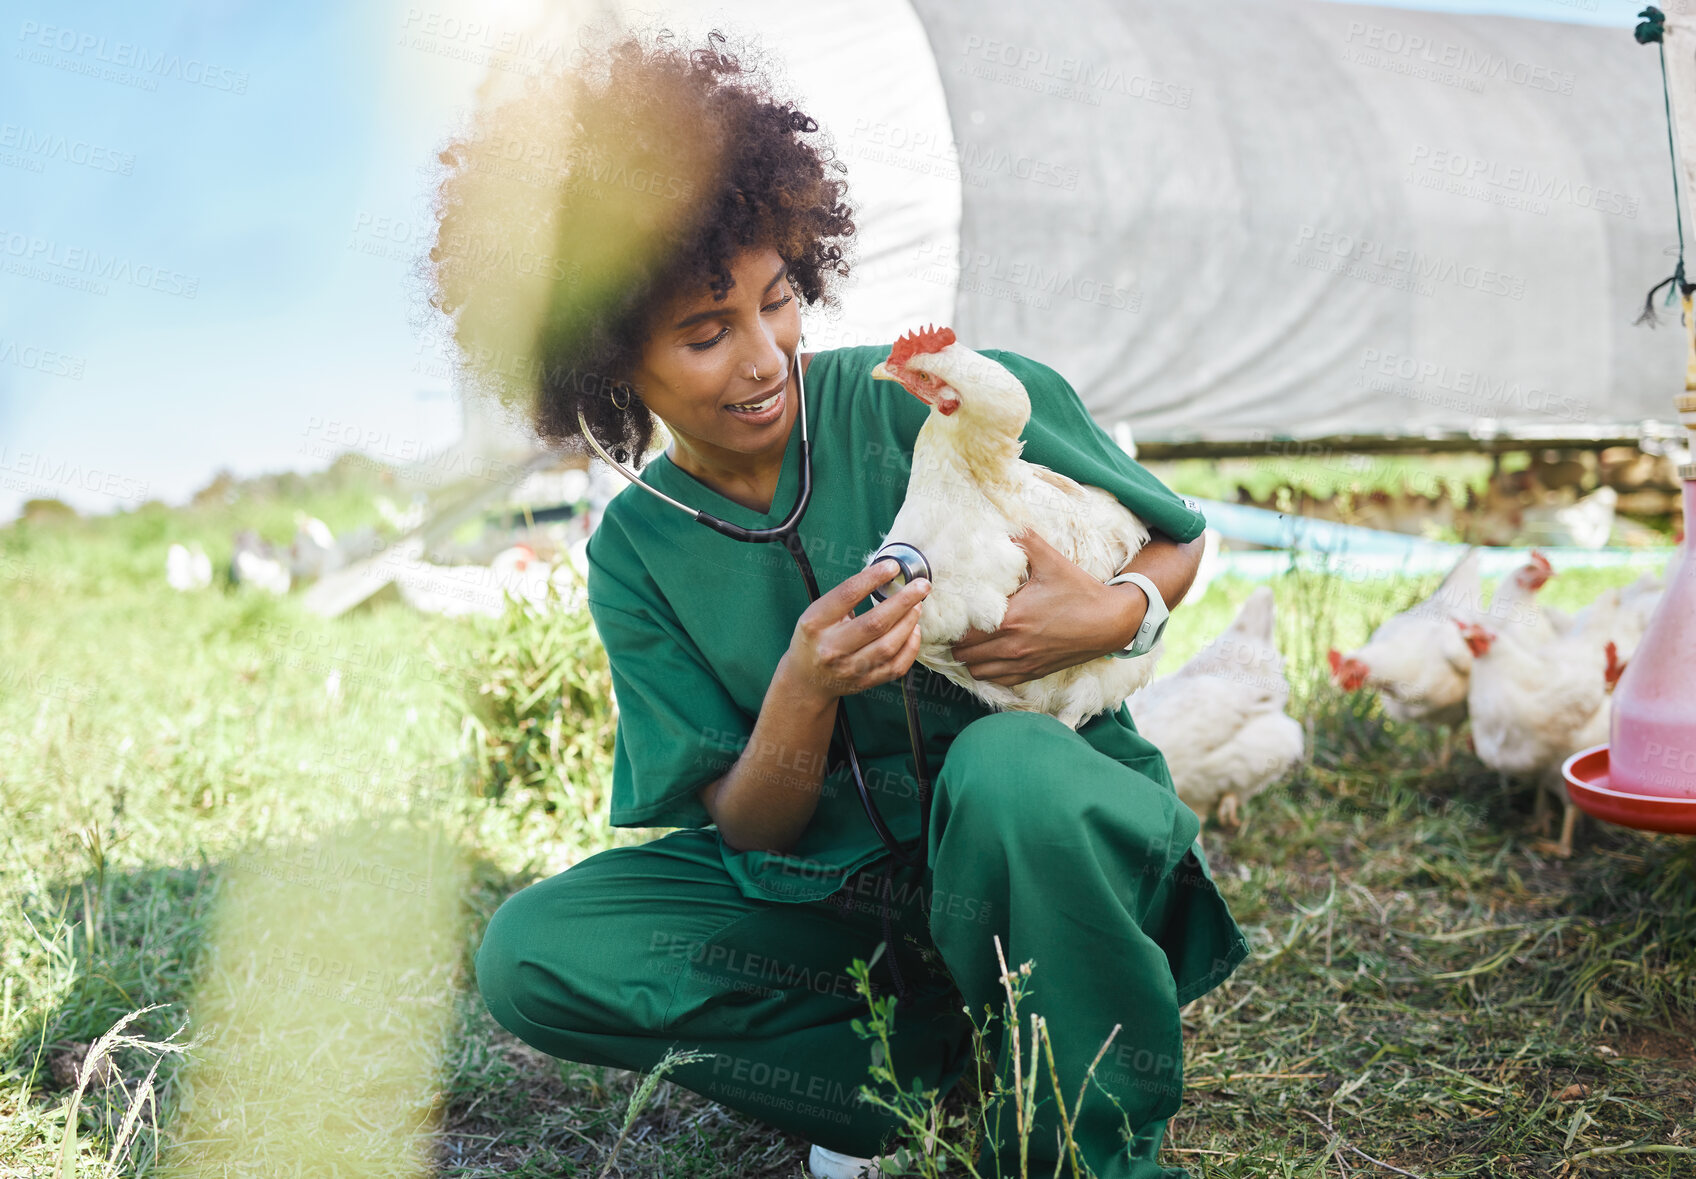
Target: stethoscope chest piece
(912, 562)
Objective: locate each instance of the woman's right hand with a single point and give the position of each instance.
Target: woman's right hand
(835, 653)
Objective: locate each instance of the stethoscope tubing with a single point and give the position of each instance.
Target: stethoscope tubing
(787, 533)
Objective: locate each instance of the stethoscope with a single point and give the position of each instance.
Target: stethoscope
(912, 565)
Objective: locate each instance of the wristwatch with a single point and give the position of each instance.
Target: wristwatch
(1153, 621)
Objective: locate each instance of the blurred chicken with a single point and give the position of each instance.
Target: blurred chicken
(313, 551)
(1220, 718)
(1586, 524)
(1416, 661)
(187, 568)
(1515, 606)
(254, 562)
(969, 494)
(1534, 702)
(1637, 605)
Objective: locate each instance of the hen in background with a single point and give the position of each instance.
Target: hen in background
(1535, 702)
(1417, 662)
(1637, 603)
(313, 552)
(1516, 606)
(1220, 720)
(187, 567)
(255, 561)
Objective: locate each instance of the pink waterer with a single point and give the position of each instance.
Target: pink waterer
(1652, 742)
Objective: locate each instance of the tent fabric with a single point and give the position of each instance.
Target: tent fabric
(1276, 218)
(864, 70)
(1309, 219)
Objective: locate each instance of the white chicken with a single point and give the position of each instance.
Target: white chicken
(969, 494)
(1516, 604)
(187, 567)
(313, 551)
(1534, 703)
(1220, 720)
(1587, 524)
(1416, 661)
(1515, 607)
(254, 561)
(1637, 603)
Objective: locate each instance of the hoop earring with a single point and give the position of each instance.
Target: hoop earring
(614, 395)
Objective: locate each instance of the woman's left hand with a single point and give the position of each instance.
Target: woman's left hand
(1059, 618)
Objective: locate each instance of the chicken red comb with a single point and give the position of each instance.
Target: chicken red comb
(928, 339)
(1615, 668)
(1542, 562)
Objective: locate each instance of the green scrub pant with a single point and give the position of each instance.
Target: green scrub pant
(1080, 864)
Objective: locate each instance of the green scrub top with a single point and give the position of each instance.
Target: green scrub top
(694, 623)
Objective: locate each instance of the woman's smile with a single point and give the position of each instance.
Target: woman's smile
(764, 411)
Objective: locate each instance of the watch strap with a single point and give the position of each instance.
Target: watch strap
(1153, 621)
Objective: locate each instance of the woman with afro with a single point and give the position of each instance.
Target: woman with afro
(633, 239)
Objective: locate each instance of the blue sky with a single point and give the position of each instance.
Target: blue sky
(207, 212)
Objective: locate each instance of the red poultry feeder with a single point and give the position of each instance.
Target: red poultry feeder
(1645, 777)
(1591, 789)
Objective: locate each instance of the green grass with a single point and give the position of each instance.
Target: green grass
(190, 815)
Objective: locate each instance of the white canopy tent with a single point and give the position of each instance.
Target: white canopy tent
(1275, 218)
(1329, 219)
(1259, 219)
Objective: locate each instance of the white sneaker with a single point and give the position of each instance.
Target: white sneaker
(827, 1164)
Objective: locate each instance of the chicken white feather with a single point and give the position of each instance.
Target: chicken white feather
(1220, 720)
(968, 495)
(1534, 702)
(1417, 661)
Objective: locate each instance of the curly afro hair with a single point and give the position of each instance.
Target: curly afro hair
(569, 216)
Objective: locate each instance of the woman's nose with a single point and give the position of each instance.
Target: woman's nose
(769, 362)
